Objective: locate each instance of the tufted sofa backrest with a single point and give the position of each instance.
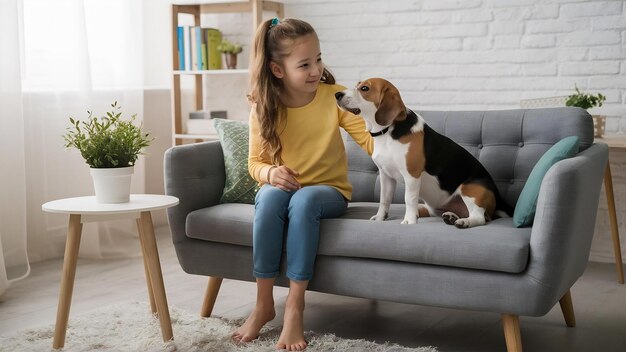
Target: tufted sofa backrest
(507, 142)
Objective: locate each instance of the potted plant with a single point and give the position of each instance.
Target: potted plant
(587, 101)
(110, 146)
(230, 52)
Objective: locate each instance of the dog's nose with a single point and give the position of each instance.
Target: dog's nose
(339, 95)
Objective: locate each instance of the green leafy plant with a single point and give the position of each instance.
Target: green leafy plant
(109, 141)
(227, 47)
(584, 101)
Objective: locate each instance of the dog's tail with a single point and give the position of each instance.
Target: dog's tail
(503, 209)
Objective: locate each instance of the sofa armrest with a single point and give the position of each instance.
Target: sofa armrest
(195, 174)
(565, 219)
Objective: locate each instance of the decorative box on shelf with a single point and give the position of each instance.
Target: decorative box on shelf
(200, 126)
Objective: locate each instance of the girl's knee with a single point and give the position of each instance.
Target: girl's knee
(270, 196)
(313, 195)
(317, 201)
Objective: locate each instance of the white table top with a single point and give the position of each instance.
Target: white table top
(88, 205)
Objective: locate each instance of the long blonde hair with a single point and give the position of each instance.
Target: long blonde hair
(272, 43)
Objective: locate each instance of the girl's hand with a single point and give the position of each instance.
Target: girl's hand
(284, 178)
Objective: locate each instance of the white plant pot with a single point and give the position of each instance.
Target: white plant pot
(112, 185)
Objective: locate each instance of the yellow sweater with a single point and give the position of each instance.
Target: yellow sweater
(312, 143)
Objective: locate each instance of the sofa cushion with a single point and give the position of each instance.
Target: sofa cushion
(527, 202)
(239, 187)
(497, 246)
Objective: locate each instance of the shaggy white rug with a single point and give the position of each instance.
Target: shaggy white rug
(130, 327)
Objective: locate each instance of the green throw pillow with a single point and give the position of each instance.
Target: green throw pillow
(239, 186)
(524, 214)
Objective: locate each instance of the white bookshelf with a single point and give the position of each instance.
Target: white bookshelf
(254, 7)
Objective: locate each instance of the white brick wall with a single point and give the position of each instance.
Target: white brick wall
(494, 52)
(480, 54)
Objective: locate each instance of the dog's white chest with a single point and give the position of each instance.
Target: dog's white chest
(390, 157)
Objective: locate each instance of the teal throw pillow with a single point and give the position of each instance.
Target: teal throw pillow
(525, 208)
(239, 186)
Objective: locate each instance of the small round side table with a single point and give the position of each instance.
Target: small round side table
(86, 209)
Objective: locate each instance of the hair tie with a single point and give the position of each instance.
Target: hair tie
(274, 22)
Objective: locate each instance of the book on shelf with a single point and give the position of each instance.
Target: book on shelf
(181, 48)
(194, 49)
(214, 38)
(187, 48)
(197, 48)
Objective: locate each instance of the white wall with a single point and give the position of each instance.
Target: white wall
(458, 55)
(477, 54)
(157, 44)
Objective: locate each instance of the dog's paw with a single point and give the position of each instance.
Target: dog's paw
(462, 223)
(409, 221)
(449, 218)
(378, 217)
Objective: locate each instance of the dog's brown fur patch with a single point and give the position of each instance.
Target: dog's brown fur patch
(483, 197)
(422, 211)
(415, 157)
(386, 98)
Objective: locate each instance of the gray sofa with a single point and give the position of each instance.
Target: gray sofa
(495, 268)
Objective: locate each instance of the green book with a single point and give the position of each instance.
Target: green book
(214, 38)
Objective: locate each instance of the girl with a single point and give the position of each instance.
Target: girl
(297, 153)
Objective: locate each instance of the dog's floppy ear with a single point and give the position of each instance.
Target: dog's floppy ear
(390, 107)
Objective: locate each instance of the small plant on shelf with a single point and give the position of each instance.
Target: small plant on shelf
(585, 101)
(229, 48)
(230, 51)
(588, 101)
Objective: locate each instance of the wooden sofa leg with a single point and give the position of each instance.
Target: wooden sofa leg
(568, 309)
(210, 296)
(512, 333)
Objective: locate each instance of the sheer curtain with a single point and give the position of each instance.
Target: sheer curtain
(68, 57)
(13, 257)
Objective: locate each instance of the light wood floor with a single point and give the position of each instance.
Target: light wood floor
(599, 304)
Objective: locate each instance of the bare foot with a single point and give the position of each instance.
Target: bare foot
(250, 329)
(292, 336)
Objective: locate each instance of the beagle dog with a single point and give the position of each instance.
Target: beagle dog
(446, 177)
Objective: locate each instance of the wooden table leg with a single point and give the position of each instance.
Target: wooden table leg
(72, 245)
(156, 276)
(145, 267)
(610, 199)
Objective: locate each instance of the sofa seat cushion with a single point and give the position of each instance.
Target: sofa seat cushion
(497, 246)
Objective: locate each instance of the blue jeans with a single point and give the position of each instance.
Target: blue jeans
(299, 212)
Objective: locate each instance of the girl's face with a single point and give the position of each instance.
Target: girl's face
(302, 69)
